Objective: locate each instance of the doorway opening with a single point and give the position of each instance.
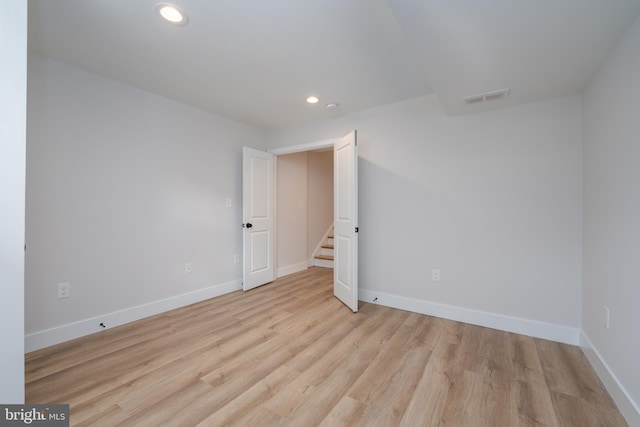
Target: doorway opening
(304, 209)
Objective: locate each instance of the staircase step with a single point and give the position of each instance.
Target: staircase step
(324, 254)
(323, 263)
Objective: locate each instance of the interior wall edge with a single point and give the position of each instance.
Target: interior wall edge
(629, 409)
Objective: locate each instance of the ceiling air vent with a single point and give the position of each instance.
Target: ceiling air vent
(488, 96)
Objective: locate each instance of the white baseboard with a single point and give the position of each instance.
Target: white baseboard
(501, 322)
(629, 410)
(58, 334)
(290, 269)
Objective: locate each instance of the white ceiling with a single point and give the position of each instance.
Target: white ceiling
(256, 61)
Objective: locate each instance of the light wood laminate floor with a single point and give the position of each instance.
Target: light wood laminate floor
(289, 353)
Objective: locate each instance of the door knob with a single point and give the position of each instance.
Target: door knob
(249, 225)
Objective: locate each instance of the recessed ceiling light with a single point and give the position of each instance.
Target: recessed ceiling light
(312, 99)
(171, 14)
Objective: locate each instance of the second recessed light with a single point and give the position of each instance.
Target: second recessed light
(312, 100)
(171, 14)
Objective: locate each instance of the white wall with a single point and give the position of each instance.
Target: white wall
(291, 214)
(491, 199)
(13, 87)
(611, 112)
(123, 188)
(320, 197)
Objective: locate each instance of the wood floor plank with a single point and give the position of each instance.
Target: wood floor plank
(574, 411)
(533, 405)
(348, 412)
(177, 407)
(112, 416)
(330, 369)
(426, 406)
(568, 371)
(289, 353)
(233, 412)
(395, 383)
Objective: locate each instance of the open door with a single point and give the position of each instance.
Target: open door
(258, 220)
(345, 216)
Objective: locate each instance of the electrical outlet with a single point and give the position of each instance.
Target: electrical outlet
(187, 268)
(228, 203)
(605, 320)
(236, 258)
(64, 290)
(435, 275)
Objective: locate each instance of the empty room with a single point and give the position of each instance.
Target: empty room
(386, 212)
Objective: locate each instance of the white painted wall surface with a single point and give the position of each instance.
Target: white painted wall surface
(291, 229)
(13, 105)
(123, 188)
(491, 199)
(320, 197)
(611, 110)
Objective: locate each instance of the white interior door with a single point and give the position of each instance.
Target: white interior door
(258, 220)
(345, 181)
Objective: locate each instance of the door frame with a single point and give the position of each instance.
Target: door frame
(311, 146)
